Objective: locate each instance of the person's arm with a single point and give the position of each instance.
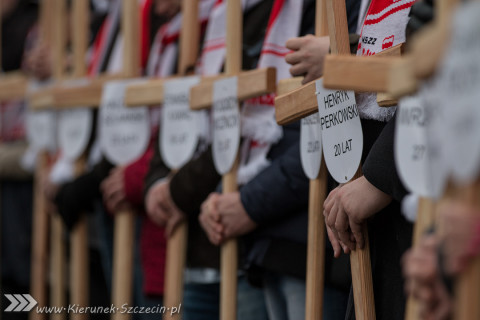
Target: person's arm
(278, 191)
(157, 170)
(192, 184)
(379, 167)
(134, 177)
(77, 197)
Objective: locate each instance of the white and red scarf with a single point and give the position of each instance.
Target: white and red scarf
(384, 27)
(259, 128)
(164, 51)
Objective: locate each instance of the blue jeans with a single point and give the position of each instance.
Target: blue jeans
(106, 228)
(202, 302)
(285, 298)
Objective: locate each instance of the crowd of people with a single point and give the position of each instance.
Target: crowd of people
(269, 213)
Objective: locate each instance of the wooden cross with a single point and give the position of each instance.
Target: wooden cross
(299, 104)
(53, 33)
(90, 96)
(79, 259)
(151, 93)
(317, 195)
(201, 97)
(39, 264)
(400, 77)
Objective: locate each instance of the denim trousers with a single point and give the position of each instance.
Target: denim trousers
(202, 302)
(285, 299)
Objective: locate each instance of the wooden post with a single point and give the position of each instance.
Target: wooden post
(124, 230)
(79, 253)
(467, 285)
(58, 259)
(425, 219)
(359, 258)
(39, 262)
(229, 250)
(176, 254)
(316, 222)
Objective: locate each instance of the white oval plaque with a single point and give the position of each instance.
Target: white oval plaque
(342, 136)
(178, 130)
(226, 124)
(74, 130)
(42, 130)
(311, 145)
(124, 132)
(459, 75)
(410, 146)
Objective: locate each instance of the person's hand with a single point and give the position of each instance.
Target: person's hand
(423, 281)
(223, 217)
(113, 190)
(460, 233)
(307, 56)
(233, 216)
(38, 62)
(161, 208)
(50, 190)
(209, 219)
(347, 208)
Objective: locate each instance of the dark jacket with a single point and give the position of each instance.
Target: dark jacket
(15, 28)
(390, 234)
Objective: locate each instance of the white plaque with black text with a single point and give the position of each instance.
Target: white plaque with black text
(311, 145)
(178, 130)
(226, 124)
(74, 130)
(124, 132)
(410, 147)
(342, 136)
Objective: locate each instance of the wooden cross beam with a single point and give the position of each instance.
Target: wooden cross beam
(13, 85)
(233, 62)
(250, 84)
(395, 75)
(59, 96)
(303, 102)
